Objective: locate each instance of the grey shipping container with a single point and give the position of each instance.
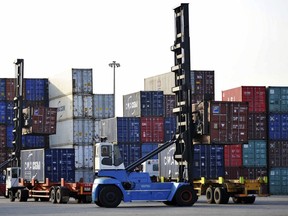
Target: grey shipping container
(50, 163)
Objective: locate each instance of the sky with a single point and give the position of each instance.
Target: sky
(243, 41)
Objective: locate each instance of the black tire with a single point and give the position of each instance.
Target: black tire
(53, 195)
(22, 195)
(110, 196)
(221, 196)
(62, 195)
(248, 200)
(210, 195)
(170, 203)
(236, 200)
(185, 196)
(11, 196)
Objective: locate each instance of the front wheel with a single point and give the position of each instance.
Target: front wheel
(186, 196)
(110, 196)
(11, 196)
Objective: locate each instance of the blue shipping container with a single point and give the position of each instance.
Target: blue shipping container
(170, 124)
(30, 141)
(255, 153)
(278, 126)
(3, 108)
(278, 99)
(208, 161)
(147, 148)
(36, 89)
(10, 113)
(51, 163)
(278, 181)
(2, 89)
(10, 136)
(130, 152)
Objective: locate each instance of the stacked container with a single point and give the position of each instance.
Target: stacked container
(79, 112)
(250, 158)
(278, 139)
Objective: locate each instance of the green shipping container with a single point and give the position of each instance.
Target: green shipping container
(255, 153)
(278, 181)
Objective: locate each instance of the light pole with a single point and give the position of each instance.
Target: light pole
(114, 64)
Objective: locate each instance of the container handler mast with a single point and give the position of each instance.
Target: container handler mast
(21, 189)
(115, 183)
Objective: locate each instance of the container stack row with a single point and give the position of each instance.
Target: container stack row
(278, 139)
(79, 112)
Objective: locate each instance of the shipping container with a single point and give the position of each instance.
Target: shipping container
(257, 126)
(2, 89)
(84, 175)
(233, 155)
(278, 181)
(254, 95)
(169, 105)
(9, 113)
(130, 152)
(278, 126)
(82, 106)
(152, 129)
(278, 99)
(3, 108)
(251, 173)
(39, 120)
(121, 129)
(147, 148)
(208, 162)
(170, 124)
(33, 142)
(75, 81)
(83, 156)
(83, 131)
(97, 130)
(202, 85)
(35, 89)
(228, 122)
(103, 106)
(50, 163)
(9, 136)
(143, 104)
(162, 82)
(10, 89)
(278, 153)
(255, 153)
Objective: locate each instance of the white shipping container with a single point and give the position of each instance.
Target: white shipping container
(83, 106)
(103, 106)
(64, 107)
(85, 175)
(83, 156)
(83, 131)
(163, 82)
(71, 81)
(97, 130)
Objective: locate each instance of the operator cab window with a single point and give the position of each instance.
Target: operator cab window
(106, 153)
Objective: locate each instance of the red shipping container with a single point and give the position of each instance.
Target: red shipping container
(3, 136)
(233, 155)
(255, 95)
(278, 153)
(247, 173)
(228, 122)
(257, 126)
(152, 129)
(169, 105)
(10, 89)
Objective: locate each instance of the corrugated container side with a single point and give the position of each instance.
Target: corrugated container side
(63, 127)
(130, 152)
(147, 148)
(143, 104)
(97, 130)
(10, 113)
(233, 155)
(82, 106)
(3, 108)
(64, 107)
(10, 136)
(35, 89)
(278, 181)
(33, 142)
(84, 157)
(51, 163)
(10, 89)
(246, 172)
(163, 82)
(152, 129)
(83, 131)
(103, 106)
(228, 122)
(255, 153)
(84, 175)
(169, 105)
(170, 124)
(278, 153)
(2, 89)
(278, 99)
(82, 81)
(257, 126)
(202, 85)
(3, 137)
(278, 126)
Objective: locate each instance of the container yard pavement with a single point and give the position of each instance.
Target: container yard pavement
(264, 206)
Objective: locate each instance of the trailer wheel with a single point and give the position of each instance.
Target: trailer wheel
(110, 196)
(62, 195)
(53, 195)
(210, 195)
(22, 195)
(11, 196)
(236, 200)
(221, 196)
(185, 196)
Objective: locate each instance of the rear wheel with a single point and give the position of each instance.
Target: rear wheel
(210, 195)
(186, 196)
(62, 195)
(22, 195)
(110, 196)
(53, 195)
(221, 196)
